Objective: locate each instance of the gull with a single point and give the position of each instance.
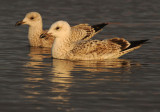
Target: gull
(34, 20)
(65, 48)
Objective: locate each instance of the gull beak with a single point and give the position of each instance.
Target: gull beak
(19, 23)
(45, 35)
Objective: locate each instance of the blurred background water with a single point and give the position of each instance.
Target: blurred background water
(31, 81)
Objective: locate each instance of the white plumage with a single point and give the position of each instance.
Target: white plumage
(34, 20)
(65, 48)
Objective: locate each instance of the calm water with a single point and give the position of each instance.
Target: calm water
(30, 81)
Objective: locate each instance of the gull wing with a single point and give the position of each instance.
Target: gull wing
(90, 31)
(96, 47)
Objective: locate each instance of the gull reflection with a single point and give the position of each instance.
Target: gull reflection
(34, 69)
(56, 78)
(37, 53)
(36, 57)
(112, 66)
(62, 78)
(64, 73)
(63, 68)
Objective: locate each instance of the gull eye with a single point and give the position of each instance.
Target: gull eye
(57, 28)
(31, 18)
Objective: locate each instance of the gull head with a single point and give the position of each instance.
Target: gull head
(60, 29)
(31, 19)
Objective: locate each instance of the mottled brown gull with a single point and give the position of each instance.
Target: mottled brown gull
(65, 48)
(34, 20)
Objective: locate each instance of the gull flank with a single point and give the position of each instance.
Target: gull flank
(34, 20)
(65, 48)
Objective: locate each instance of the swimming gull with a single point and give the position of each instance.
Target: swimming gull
(65, 48)
(34, 20)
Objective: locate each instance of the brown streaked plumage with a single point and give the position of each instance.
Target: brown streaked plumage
(82, 31)
(88, 31)
(65, 48)
(34, 20)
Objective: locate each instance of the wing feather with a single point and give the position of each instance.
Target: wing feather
(89, 31)
(95, 47)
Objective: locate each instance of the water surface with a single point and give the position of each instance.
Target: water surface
(30, 80)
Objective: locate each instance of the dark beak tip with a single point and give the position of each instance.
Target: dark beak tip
(42, 36)
(18, 23)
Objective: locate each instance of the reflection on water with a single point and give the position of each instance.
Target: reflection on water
(31, 81)
(34, 67)
(61, 78)
(63, 68)
(37, 56)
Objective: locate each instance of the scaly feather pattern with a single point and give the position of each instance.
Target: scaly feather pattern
(34, 20)
(65, 48)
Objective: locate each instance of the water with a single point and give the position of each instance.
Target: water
(31, 81)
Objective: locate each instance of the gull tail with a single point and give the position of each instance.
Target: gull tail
(136, 43)
(133, 45)
(98, 27)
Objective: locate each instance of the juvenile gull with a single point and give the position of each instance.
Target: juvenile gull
(34, 20)
(65, 48)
